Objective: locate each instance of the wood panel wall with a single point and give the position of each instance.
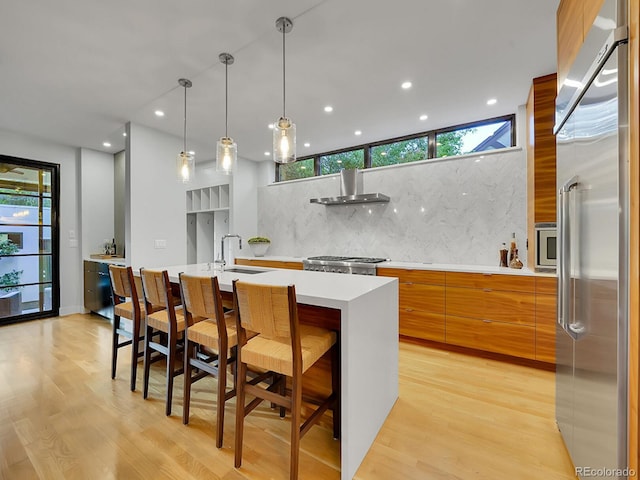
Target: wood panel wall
(574, 19)
(541, 157)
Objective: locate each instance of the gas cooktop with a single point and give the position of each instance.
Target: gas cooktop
(330, 258)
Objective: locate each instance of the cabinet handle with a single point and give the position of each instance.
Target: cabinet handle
(487, 274)
(408, 309)
(487, 290)
(486, 321)
(409, 283)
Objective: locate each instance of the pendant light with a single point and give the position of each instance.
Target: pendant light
(227, 150)
(284, 130)
(185, 159)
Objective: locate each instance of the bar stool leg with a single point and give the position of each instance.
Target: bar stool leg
(242, 374)
(147, 361)
(171, 358)
(114, 345)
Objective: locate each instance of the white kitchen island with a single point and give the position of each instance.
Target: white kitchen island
(368, 307)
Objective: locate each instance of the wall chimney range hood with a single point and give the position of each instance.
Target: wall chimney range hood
(351, 191)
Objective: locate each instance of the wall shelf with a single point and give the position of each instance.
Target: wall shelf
(207, 220)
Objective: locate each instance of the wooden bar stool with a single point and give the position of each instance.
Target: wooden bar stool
(282, 346)
(161, 316)
(210, 342)
(127, 317)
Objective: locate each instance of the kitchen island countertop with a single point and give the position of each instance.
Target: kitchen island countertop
(368, 308)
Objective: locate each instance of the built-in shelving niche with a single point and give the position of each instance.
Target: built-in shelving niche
(207, 221)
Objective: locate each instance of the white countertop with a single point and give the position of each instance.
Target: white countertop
(325, 289)
(111, 261)
(447, 267)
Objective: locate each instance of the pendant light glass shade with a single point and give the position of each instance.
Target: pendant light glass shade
(186, 167)
(284, 141)
(284, 130)
(185, 163)
(226, 156)
(226, 148)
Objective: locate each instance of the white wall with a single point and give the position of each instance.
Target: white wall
(457, 210)
(97, 200)
(155, 206)
(17, 145)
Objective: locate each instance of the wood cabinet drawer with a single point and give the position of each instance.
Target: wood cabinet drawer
(515, 283)
(498, 337)
(413, 276)
(419, 324)
(509, 307)
(546, 328)
(425, 298)
(547, 285)
(269, 263)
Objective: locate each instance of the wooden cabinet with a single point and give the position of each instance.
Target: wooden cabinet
(546, 319)
(495, 313)
(498, 337)
(422, 302)
(541, 157)
(574, 19)
(269, 263)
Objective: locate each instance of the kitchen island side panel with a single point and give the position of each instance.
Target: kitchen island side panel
(369, 369)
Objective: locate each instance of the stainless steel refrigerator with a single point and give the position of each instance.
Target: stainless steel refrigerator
(592, 179)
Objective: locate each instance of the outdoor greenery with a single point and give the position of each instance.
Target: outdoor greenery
(7, 247)
(8, 281)
(405, 151)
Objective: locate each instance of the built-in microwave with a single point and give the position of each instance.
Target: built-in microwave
(546, 247)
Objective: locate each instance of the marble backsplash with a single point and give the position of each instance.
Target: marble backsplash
(456, 211)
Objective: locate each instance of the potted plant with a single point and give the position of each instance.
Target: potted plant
(259, 245)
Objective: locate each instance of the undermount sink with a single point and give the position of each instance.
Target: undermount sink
(244, 270)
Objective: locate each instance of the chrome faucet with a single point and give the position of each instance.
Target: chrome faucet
(220, 261)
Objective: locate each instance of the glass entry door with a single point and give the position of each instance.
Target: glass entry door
(29, 264)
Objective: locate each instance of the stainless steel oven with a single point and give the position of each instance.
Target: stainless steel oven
(546, 247)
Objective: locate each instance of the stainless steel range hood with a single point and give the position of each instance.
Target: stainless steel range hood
(351, 191)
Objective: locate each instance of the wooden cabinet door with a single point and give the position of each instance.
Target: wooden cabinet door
(498, 337)
(546, 328)
(510, 307)
(422, 311)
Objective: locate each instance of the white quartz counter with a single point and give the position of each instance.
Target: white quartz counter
(110, 261)
(447, 267)
(368, 342)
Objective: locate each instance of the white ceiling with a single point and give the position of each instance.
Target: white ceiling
(75, 71)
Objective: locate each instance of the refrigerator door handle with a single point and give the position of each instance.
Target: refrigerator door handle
(564, 261)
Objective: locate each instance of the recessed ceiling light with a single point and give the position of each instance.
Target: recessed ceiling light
(406, 85)
(159, 113)
(271, 126)
(328, 109)
(106, 144)
(307, 144)
(492, 101)
(357, 132)
(191, 152)
(124, 134)
(423, 117)
(266, 154)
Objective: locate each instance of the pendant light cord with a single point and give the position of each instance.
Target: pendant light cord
(226, 99)
(284, 78)
(185, 121)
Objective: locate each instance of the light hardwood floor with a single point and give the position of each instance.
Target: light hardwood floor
(62, 417)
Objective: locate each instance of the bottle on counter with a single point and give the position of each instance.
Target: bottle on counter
(512, 247)
(113, 246)
(503, 255)
(516, 262)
